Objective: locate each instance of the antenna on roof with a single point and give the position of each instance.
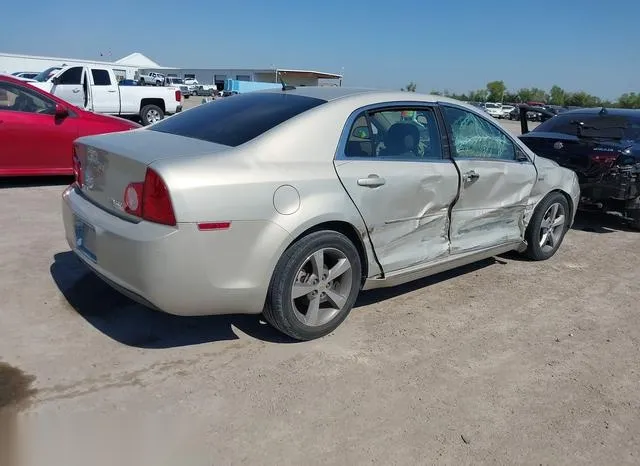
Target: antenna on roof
(285, 87)
(603, 111)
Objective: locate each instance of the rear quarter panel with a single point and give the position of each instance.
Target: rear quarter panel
(239, 188)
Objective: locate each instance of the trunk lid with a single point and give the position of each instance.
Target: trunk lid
(109, 162)
(589, 158)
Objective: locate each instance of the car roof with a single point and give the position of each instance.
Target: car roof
(609, 111)
(330, 93)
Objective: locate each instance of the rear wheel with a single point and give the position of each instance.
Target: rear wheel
(151, 114)
(547, 227)
(314, 286)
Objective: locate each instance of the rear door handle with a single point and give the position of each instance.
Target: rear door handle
(372, 181)
(75, 91)
(111, 90)
(471, 175)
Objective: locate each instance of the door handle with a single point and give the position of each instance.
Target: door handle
(111, 90)
(372, 181)
(471, 175)
(75, 91)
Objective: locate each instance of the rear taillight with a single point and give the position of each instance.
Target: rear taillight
(178, 96)
(604, 159)
(150, 200)
(77, 168)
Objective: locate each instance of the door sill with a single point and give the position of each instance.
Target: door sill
(432, 268)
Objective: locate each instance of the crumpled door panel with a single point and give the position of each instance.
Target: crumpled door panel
(406, 217)
(490, 209)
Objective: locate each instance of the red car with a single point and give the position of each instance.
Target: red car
(37, 130)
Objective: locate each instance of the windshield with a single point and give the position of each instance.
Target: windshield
(492, 106)
(46, 74)
(176, 81)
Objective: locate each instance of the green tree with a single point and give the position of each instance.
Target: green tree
(511, 97)
(411, 87)
(496, 90)
(478, 96)
(557, 95)
(582, 99)
(629, 100)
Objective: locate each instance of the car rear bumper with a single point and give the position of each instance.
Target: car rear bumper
(179, 270)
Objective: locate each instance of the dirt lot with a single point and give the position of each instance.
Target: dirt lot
(505, 362)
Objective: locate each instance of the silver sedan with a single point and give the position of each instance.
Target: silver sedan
(289, 202)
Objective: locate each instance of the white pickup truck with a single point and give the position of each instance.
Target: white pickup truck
(96, 89)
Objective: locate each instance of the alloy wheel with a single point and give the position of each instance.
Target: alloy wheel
(321, 287)
(552, 227)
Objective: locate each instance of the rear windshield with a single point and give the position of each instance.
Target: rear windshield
(234, 120)
(565, 124)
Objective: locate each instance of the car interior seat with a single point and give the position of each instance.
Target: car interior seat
(401, 140)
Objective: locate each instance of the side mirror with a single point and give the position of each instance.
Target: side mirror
(61, 111)
(55, 80)
(361, 132)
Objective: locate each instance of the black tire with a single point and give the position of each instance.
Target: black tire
(142, 83)
(279, 309)
(147, 110)
(635, 221)
(534, 233)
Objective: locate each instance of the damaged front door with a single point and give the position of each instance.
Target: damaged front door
(496, 182)
(392, 166)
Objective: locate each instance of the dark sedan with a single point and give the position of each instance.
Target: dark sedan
(603, 147)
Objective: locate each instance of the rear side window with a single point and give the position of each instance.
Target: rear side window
(101, 77)
(234, 120)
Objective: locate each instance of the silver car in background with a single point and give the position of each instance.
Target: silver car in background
(289, 202)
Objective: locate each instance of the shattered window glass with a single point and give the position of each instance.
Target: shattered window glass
(473, 137)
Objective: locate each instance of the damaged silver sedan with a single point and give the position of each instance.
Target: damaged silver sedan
(291, 202)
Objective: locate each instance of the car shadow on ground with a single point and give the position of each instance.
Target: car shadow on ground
(382, 294)
(35, 181)
(135, 325)
(600, 222)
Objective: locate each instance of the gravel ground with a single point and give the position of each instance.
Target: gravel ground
(503, 362)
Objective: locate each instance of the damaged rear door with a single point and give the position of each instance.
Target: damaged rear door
(496, 182)
(391, 163)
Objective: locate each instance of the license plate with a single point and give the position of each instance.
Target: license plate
(86, 239)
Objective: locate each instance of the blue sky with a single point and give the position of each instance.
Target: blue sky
(589, 45)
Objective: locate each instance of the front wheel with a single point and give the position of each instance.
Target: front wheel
(314, 286)
(547, 227)
(151, 114)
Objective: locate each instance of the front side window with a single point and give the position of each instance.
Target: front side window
(18, 99)
(101, 77)
(474, 137)
(72, 76)
(398, 133)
